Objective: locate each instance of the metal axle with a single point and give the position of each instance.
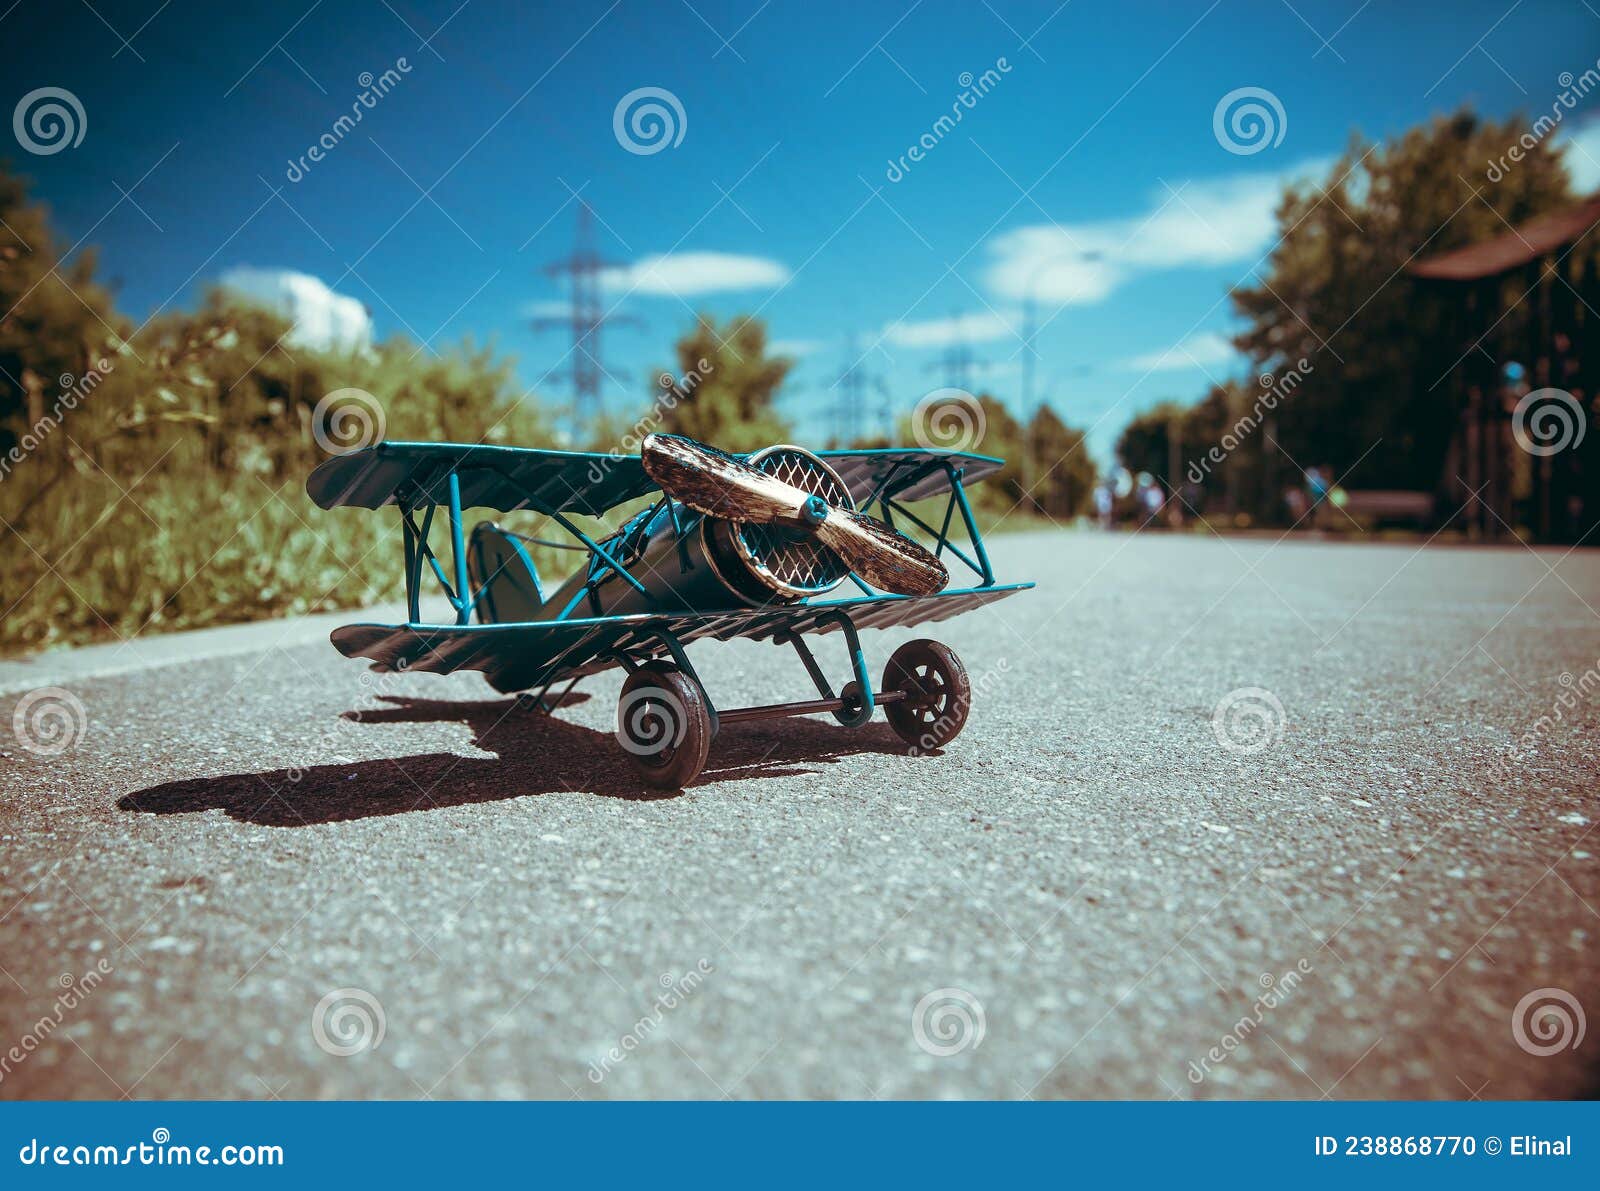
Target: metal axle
(773, 711)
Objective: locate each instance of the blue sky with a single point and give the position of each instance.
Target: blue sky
(1093, 148)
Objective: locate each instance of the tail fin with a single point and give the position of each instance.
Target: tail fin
(496, 557)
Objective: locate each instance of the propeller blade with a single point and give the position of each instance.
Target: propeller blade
(715, 483)
(882, 555)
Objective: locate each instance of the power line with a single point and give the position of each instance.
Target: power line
(855, 390)
(958, 361)
(585, 317)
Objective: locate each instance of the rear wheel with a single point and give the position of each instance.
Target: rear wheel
(937, 693)
(664, 725)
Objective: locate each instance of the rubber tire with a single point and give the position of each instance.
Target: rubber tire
(939, 694)
(663, 694)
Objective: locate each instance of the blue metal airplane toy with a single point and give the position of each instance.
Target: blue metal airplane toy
(733, 546)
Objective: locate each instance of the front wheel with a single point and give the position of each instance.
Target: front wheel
(664, 725)
(938, 694)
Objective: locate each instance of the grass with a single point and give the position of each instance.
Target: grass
(106, 560)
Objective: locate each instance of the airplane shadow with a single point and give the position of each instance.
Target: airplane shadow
(534, 754)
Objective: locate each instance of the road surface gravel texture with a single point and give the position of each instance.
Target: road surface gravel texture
(1231, 818)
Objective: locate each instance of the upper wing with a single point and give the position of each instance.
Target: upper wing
(906, 473)
(511, 478)
(501, 478)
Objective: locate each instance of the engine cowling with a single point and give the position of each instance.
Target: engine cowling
(692, 562)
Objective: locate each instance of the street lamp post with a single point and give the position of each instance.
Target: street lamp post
(1030, 329)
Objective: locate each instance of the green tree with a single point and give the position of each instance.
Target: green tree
(1143, 445)
(725, 386)
(1378, 346)
(155, 478)
(1063, 473)
(55, 320)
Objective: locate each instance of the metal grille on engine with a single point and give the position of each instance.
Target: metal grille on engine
(788, 558)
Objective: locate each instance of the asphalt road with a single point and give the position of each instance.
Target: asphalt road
(1099, 890)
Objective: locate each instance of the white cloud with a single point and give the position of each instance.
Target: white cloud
(322, 319)
(546, 308)
(689, 273)
(1202, 351)
(1583, 156)
(979, 326)
(1212, 222)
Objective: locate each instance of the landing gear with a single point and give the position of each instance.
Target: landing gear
(664, 725)
(666, 721)
(936, 694)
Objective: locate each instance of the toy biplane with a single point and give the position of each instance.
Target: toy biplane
(732, 546)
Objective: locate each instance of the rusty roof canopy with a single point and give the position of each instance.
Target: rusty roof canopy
(1512, 249)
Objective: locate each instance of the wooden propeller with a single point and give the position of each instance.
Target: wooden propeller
(715, 483)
